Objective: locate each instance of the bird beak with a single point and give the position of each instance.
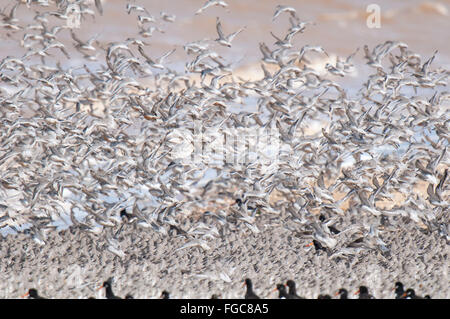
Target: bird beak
(310, 244)
(404, 295)
(357, 292)
(337, 293)
(25, 295)
(99, 287)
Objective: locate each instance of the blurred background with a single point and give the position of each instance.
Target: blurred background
(340, 27)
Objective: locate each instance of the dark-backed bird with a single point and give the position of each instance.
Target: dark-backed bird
(342, 293)
(363, 292)
(292, 289)
(32, 294)
(165, 295)
(399, 290)
(250, 294)
(108, 289)
(411, 294)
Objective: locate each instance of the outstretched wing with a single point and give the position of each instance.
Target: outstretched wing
(219, 29)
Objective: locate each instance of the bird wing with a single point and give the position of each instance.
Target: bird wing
(98, 5)
(165, 55)
(219, 29)
(141, 51)
(231, 36)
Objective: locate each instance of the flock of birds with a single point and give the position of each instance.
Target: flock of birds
(87, 143)
(285, 291)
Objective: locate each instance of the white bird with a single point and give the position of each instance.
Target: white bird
(226, 40)
(308, 48)
(159, 61)
(211, 3)
(132, 7)
(195, 243)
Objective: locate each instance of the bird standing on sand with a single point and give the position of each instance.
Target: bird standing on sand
(292, 289)
(108, 289)
(32, 294)
(364, 293)
(282, 293)
(250, 293)
(342, 293)
(317, 245)
(411, 294)
(165, 295)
